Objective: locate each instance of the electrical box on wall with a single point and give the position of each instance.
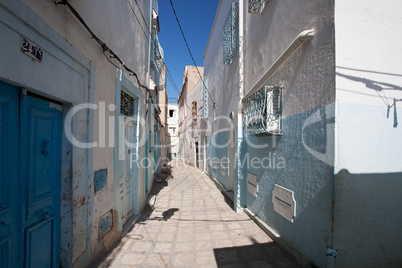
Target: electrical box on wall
(105, 224)
(100, 179)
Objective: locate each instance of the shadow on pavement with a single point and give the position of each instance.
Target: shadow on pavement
(256, 255)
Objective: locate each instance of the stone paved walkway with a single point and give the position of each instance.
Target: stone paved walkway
(191, 225)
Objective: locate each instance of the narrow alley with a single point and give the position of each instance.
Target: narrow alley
(190, 223)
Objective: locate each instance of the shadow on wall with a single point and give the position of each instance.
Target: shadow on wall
(368, 216)
(378, 87)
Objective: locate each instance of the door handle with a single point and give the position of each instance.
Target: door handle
(45, 149)
(45, 215)
(5, 222)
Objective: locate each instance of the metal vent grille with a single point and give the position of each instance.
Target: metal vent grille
(263, 113)
(257, 6)
(231, 34)
(126, 104)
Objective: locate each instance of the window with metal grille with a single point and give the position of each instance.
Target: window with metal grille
(194, 110)
(263, 112)
(257, 6)
(231, 34)
(126, 104)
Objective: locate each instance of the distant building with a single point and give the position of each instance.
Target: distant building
(163, 105)
(192, 117)
(173, 130)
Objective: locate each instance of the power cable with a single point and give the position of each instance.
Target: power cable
(154, 41)
(105, 48)
(188, 48)
(155, 44)
(139, 23)
(164, 62)
(102, 44)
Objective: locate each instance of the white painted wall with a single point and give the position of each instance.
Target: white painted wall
(223, 80)
(368, 170)
(173, 122)
(114, 24)
(193, 131)
(368, 73)
(307, 78)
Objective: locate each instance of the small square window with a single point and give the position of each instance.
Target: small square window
(171, 113)
(126, 104)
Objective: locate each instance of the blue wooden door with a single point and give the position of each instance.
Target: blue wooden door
(40, 125)
(30, 145)
(10, 235)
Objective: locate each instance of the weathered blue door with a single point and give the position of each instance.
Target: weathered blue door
(41, 162)
(10, 234)
(30, 147)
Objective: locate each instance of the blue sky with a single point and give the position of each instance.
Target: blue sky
(196, 18)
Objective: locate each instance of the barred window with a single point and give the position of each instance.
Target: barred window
(126, 104)
(194, 110)
(263, 112)
(231, 34)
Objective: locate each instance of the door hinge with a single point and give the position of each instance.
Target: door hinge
(331, 257)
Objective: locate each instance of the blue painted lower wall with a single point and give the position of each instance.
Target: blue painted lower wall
(286, 161)
(217, 150)
(346, 177)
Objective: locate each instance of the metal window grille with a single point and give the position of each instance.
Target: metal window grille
(157, 62)
(257, 6)
(126, 104)
(205, 99)
(231, 34)
(194, 110)
(263, 112)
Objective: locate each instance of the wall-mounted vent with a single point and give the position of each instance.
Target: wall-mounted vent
(126, 104)
(284, 202)
(263, 112)
(252, 184)
(257, 6)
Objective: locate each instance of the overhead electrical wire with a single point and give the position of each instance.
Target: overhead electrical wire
(150, 34)
(102, 44)
(156, 45)
(105, 48)
(135, 15)
(188, 48)
(164, 62)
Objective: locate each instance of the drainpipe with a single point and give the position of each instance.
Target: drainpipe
(238, 206)
(148, 116)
